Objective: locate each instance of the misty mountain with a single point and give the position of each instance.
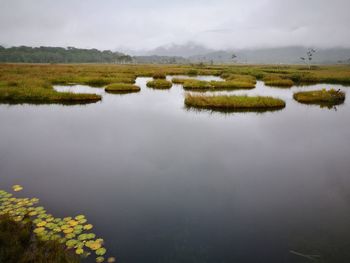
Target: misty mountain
(196, 53)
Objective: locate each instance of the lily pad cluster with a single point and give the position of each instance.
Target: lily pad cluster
(72, 232)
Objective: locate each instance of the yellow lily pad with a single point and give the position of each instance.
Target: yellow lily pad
(17, 188)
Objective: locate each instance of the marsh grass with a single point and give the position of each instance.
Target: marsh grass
(193, 84)
(18, 244)
(180, 80)
(320, 97)
(122, 88)
(200, 85)
(159, 75)
(33, 83)
(277, 81)
(231, 102)
(231, 85)
(159, 84)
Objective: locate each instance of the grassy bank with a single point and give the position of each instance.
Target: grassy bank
(320, 97)
(226, 102)
(159, 84)
(122, 88)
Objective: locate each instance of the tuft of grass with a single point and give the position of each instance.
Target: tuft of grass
(192, 72)
(240, 78)
(44, 96)
(194, 84)
(159, 84)
(19, 244)
(277, 81)
(159, 75)
(231, 84)
(320, 97)
(227, 102)
(122, 88)
(179, 80)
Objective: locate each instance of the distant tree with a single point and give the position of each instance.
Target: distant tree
(233, 57)
(309, 56)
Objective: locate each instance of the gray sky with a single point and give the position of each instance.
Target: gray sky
(141, 24)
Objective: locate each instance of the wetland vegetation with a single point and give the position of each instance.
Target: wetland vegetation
(320, 97)
(28, 83)
(29, 234)
(122, 88)
(159, 84)
(233, 102)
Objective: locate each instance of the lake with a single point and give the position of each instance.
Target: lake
(162, 183)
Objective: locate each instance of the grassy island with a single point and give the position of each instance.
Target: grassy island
(226, 102)
(201, 85)
(194, 84)
(159, 84)
(276, 81)
(33, 95)
(122, 88)
(320, 97)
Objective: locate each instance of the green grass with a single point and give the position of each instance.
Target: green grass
(33, 83)
(122, 88)
(22, 95)
(276, 81)
(194, 84)
(159, 75)
(180, 80)
(320, 97)
(18, 244)
(227, 102)
(159, 84)
(201, 85)
(231, 84)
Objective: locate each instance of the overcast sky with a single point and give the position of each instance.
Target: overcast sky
(146, 24)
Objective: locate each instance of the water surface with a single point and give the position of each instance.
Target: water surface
(165, 184)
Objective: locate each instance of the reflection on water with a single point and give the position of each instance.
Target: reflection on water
(163, 184)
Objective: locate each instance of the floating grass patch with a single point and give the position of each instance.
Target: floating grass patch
(194, 84)
(276, 81)
(122, 88)
(179, 80)
(216, 85)
(159, 75)
(44, 96)
(159, 84)
(66, 235)
(240, 78)
(320, 97)
(226, 102)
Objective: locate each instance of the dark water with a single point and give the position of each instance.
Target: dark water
(164, 184)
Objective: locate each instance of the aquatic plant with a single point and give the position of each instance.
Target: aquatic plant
(232, 102)
(71, 233)
(159, 84)
(179, 80)
(320, 97)
(122, 88)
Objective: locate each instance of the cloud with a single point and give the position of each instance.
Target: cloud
(141, 24)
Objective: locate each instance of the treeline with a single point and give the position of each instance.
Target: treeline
(24, 54)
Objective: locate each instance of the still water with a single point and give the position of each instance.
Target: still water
(162, 183)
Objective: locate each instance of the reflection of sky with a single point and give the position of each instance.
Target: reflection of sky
(160, 182)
